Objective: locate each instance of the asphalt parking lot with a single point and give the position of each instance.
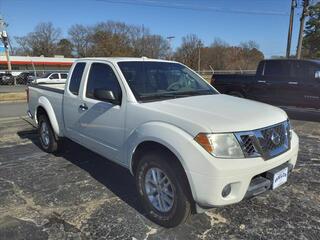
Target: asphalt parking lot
(79, 195)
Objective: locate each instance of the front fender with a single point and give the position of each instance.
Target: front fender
(175, 139)
(45, 103)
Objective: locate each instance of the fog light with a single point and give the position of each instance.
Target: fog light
(226, 190)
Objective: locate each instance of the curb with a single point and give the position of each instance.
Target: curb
(13, 97)
(13, 101)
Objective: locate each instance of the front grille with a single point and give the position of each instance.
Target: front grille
(266, 142)
(248, 145)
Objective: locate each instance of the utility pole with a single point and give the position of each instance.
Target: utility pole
(293, 6)
(170, 38)
(199, 57)
(5, 41)
(303, 16)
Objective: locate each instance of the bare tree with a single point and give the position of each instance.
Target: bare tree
(110, 39)
(79, 36)
(42, 41)
(187, 53)
(65, 48)
(152, 46)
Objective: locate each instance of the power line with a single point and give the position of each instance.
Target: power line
(182, 6)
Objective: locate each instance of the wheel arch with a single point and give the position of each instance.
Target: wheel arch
(151, 145)
(44, 107)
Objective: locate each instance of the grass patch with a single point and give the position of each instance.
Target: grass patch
(15, 96)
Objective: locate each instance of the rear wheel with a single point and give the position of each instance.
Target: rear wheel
(46, 135)
(163, 189)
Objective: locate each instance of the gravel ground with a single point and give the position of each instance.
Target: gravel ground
(79, 195)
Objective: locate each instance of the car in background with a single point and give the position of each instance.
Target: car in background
(52, 77)
(6, 79)
(26, 77)
(281, 82)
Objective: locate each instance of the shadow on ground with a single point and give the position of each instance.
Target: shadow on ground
(114, 177)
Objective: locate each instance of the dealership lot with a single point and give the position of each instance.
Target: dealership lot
(79, 195)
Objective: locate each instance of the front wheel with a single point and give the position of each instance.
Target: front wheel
(163, 189)
(46, 135)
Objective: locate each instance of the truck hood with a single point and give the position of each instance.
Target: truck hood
(220, 113)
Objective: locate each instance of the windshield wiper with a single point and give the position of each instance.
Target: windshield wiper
(160, 96)
(168, 95)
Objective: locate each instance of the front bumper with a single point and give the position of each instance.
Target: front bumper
(207, 188)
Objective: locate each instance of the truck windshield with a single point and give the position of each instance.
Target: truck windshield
(150, 81)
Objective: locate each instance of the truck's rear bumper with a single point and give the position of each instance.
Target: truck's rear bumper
(238, 174)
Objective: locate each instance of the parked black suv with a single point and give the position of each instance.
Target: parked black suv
(279, 82)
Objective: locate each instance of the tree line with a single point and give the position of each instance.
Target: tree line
(110, 39)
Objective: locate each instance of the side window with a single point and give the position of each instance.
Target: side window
(101, 76)
(277, 69)
(303, 71)
(64, 75)
(54, 76)
(75, 79)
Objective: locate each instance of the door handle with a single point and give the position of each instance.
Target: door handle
(83, 107)
(293, 83)
(261, 81)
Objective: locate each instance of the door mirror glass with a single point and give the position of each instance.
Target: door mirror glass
(317, 75)
(106, 95)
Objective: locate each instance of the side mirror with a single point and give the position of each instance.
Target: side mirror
(106, 95)
(51, 77)
(317, 75)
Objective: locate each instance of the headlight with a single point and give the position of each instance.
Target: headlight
(288, 129)
(220, 145)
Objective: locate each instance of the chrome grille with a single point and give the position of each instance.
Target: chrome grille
(266, 142)
(248, 145)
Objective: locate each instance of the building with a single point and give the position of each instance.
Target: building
(40, 64)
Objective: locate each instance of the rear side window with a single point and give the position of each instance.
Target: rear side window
(101, 76)
(75, 79)
(304, 71)
(64, 76)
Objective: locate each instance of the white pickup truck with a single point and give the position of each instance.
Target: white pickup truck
(189, 147)
(52, 78)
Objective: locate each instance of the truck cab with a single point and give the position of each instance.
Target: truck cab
(281, 82)
(289, 83)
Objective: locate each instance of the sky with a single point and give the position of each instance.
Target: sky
(234, 21)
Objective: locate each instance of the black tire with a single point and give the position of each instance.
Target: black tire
(182, 200)
(49, 144)
(236, 94)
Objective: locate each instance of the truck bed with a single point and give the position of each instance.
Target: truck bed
(58, 88)
(42, 94)
(227, 78)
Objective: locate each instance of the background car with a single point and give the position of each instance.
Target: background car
(50, 77)
(6, 79)
(26, 77)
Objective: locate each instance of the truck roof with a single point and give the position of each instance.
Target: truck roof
(122, 59)
(292, 59)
